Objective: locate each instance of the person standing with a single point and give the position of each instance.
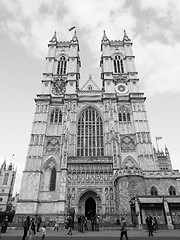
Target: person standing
(85, 223)
(97, 221)
(56, 226)
(123, 229)
(70, 225)
(26, 224)
(43, 232)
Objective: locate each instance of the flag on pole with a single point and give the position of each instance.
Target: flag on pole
(158, 138)
(71, 28)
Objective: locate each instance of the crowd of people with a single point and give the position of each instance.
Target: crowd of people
(92, 224)
(32, 225)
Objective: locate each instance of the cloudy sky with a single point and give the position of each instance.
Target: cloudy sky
(26, 27)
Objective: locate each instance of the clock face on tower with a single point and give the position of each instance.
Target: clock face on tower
(58, 87)
(121, 88)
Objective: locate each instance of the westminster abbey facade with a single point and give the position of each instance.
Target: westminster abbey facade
(90, 148)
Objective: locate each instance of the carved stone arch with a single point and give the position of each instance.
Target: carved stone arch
(87, 106)
(153, 191)
(49, 167)
(172, 190)
(49, 163)
(117, 53)
(84, 192)
(130, 162)
(62, 54)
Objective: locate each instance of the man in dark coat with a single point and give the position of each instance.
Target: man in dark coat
(123, 229)
(26, 225)
(70, 224)
(149, 222)
(4, 225)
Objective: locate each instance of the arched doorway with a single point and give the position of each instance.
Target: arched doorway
(90, 208)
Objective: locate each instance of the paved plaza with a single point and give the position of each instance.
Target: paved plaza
(100, 235)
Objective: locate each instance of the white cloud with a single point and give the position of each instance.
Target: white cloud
(32, 23)
(158, 65)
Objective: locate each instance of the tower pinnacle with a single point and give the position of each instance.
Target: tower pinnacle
(54, 38)
(126, 38)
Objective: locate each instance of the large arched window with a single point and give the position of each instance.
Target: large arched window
(90, 134)
(62, 65)
(154, 191)
(172, 190)
(118, 64)
(56, 117)
(52, 185)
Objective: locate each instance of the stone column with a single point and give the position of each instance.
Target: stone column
(167, 214)
(137, 212)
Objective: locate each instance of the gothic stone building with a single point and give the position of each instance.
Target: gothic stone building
(7, 180)
(90, 148)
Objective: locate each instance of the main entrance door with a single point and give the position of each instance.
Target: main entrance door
(89, 204)
(90, 208)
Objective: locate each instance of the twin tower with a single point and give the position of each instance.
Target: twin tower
(90, 149)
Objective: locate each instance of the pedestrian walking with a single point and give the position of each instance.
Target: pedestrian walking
(26, 224)
(38, 222)
(32, 228)
(4, 225)
(155, 224)
(123, 229)
(43, 232)
(149, 222)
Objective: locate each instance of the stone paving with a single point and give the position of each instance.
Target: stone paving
(105, 233)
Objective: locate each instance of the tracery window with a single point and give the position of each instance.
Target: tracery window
(124, 115)
(172, 190)
(154, 191)
(52, 185)
(90, 87)
(56, 117)
(90, 134)
(5, 180)
(62, 65)
(118, 64)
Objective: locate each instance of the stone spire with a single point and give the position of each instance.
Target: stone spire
(126, 38)
(104, 38)
(54, 38)
(3, 166)
(74, 39)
